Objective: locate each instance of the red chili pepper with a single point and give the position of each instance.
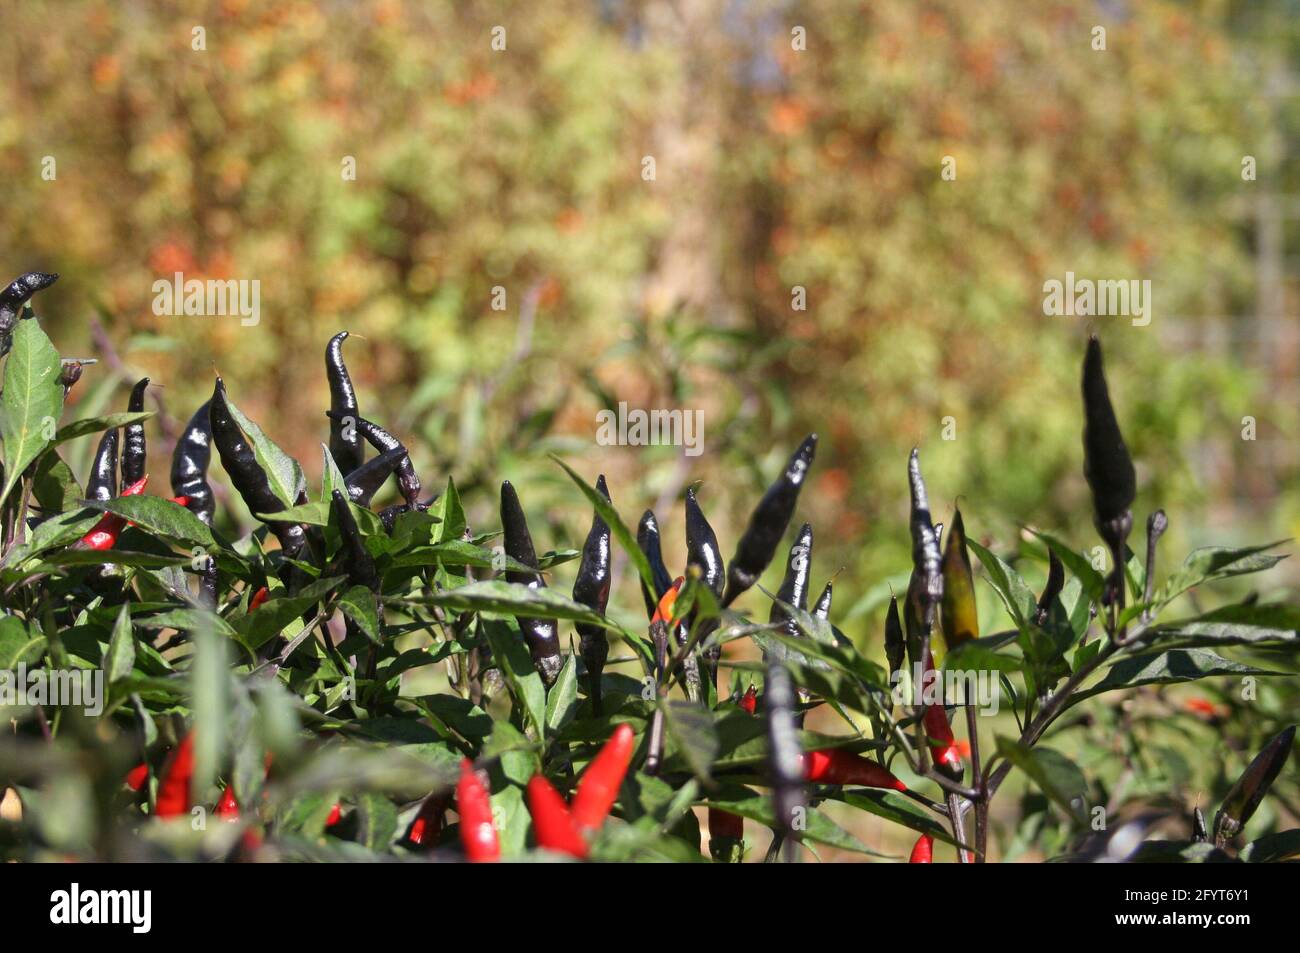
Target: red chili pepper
(598, 787)
(946, 753)
(104, 533)
(923, 851)
(182, 500)
(664, 612)
(428, 823)
(228, 807)
(136, 777)
(552, 824)
(336, 813)
(478, 834)
(174, 790)
(749, 701)
(258, 598)
(725, 824)
(837, 766)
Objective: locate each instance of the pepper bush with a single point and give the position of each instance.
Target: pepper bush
(258, 700)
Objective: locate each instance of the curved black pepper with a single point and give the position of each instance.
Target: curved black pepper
(102, 484)
(12, 299)
(927, 562)
(591, 589)
(190, 460)
(822, 607)
(794, 587)
(364, 482)
(647, 537)
(246, 473)
(345, 442)
(768, 522)
(134, 448)
(541, 634)
(408, 481)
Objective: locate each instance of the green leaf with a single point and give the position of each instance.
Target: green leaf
(512, 598)
(457, 552)
(119, 658)
(54, 488)
(1094, 584)
(693, 735)
(359, 605)
(448, 509)
(79, 428)
(188, 620)
(282, 471)
(1247, 624)
(1166, 668)
(313, 514)
(17, 645)
(332, 478)
(1056, 776)
(562, 699)
(1019, 601)
(511, 654)
(626, 538)
(1216, 562)
(893, 806)
(161, 517)
(266, 623)
(31, 403)
(377, 821)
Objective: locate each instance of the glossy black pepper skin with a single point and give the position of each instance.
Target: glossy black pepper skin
(364, 482)
(12, 299)
(768, 522)
(542, 635)
(591, 589)
(190, 459)
(647, 537)
(102, 484)
(408, 481)
(345, 442)
(134, 448)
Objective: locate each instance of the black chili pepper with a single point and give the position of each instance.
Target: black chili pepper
(345, 441)
(190, 460)
(895, 644)
(784, 752)
(1106, 466)
(768, 522)
(794, 587)
(1200, 834)
(359, 563)
(591, 589)
(1245, 796)
(647, 537)
(12, 299)
(364, 482)
(540, 634)
(102, 484)
(703, 552)
(702, 546)
(408, 481)
(927, 564)
(134, 453)
(245, 472)
(822, 607)
(1055, 581)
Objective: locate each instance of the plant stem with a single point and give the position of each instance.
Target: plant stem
(977, 779)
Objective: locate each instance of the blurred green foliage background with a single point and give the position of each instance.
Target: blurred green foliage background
(775, 168)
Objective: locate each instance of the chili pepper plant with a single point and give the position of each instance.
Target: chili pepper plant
(255, 698)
